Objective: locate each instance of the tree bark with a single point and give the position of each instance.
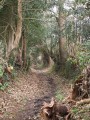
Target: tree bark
(61, 40)
(19, 25)
(9, 45)
(24, 48)
(60, 36)
(14, 38)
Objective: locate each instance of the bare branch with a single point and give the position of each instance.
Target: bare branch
(4, 30)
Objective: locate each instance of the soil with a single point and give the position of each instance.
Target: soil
(24, 97)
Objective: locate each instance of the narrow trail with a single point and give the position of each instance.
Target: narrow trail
(24, 97)
(45, 70)
(46, 90)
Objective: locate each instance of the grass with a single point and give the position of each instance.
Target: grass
(59, 96)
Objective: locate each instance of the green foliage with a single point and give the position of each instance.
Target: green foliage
(80, 1)
(86, 45)
(59, 96)
(83, 55)
(14, 74)
(2, 2)
(33, 27)
(70, 32)
(5, 77)
(83, 59)
(71, 67)
(71, 62)
(1, 6)
(1, 70)
(32, 14)
(4, 86)
(75, 110)
(41, 27)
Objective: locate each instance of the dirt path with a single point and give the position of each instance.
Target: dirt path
(45, 70)
(23, 98)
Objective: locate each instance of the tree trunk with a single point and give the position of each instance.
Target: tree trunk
(60, 37)
(14, 37)
(61, 40)
(9, 45)
(19, 25)
(24, 49)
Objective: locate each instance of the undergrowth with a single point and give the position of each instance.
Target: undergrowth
(6, 77)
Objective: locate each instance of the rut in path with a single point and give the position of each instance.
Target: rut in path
(31, 110)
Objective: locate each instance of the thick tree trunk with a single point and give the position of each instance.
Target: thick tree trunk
(60, 37)
(61, 40)
(19, 25)
(10, 42)
(14, 38)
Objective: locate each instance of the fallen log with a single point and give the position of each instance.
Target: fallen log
(82, 102)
